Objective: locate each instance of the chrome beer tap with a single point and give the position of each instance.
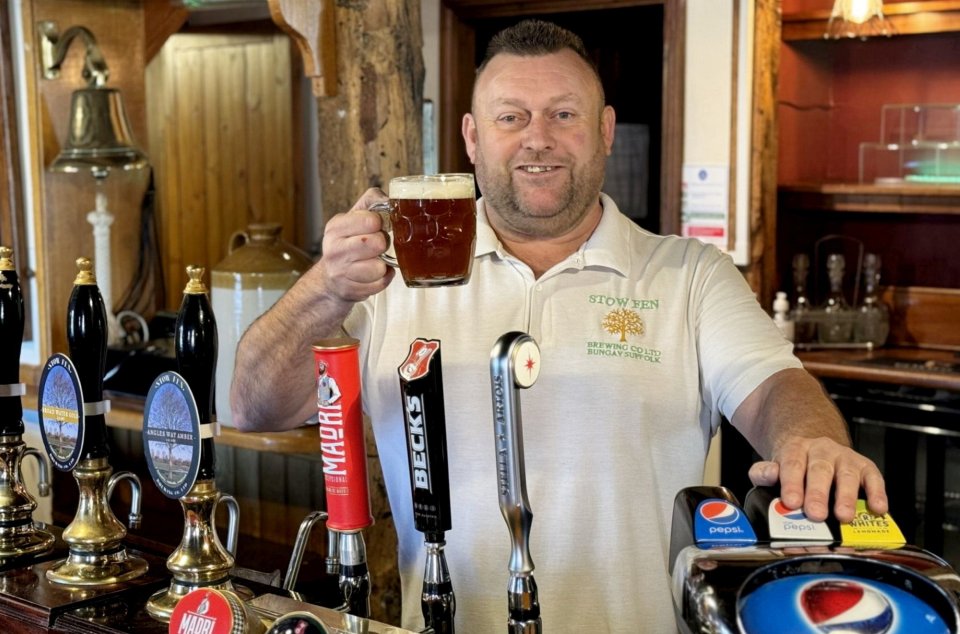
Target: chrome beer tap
(299, 547)
(515, 364)
(19, 535)
(354, 574)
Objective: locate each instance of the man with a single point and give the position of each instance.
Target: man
(619, 420)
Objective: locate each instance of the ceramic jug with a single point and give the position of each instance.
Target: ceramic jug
(257, 271)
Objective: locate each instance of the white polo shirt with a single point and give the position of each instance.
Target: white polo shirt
(646, 340)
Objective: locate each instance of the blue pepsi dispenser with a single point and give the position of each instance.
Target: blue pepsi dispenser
(800, 576)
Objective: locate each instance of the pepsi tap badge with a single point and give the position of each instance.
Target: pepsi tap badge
(719, 522)
(793, 524)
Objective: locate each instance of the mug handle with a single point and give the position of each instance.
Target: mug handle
(383, 210)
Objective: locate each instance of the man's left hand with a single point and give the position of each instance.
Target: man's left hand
(808, 467)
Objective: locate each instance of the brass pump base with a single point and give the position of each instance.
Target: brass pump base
(200, 561)
(162, 603)
(97, 569)
(19, 534)
(34, 541)
(97, 556)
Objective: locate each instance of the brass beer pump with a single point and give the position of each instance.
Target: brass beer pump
(96, 556)
(200, 560)
(19, 535)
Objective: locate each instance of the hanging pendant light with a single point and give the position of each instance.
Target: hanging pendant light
(857, 18)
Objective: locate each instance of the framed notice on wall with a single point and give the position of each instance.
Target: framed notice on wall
(705, 204)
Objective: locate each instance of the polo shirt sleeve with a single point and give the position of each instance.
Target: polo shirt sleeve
(739, 345)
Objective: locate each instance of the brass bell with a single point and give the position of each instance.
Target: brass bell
(99, 138)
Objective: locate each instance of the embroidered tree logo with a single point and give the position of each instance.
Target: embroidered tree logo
(623, 322)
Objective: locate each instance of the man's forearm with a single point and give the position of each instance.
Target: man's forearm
(273, 382)
(789, 403)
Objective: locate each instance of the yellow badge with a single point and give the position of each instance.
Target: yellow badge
(868, 529)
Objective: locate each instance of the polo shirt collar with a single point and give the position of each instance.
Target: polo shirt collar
(608, 246)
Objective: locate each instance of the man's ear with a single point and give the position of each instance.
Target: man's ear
(608, 120)
(469, 131)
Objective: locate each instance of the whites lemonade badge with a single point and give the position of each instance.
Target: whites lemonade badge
(786, 523)
(868, 529)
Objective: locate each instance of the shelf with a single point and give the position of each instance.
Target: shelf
(853, 197)
(127, 415)
(906, 18)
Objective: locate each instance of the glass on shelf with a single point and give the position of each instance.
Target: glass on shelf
(894, 164)
(916, 123)
(919, 143)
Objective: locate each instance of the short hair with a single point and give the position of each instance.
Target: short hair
(533, 38)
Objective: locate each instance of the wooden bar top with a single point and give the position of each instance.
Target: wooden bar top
(937, 369)
(128, 414)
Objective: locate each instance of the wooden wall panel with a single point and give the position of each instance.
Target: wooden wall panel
(62, 201)
(221, 112)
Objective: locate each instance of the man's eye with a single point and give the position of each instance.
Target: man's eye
(565, 116)
(509, 118)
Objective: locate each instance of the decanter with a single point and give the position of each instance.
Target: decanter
(873, 317)
(836, 325)
(804, 325)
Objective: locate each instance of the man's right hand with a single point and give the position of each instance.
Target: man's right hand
(351, 269)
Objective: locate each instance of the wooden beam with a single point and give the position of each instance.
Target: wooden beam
(311, 25)
(160, 21)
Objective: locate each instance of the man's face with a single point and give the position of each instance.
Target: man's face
(538, 137)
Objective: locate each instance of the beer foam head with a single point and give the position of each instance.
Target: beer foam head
(432, 187)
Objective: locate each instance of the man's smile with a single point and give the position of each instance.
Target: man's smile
(537, 169)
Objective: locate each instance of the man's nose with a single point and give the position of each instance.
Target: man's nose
(538, 135)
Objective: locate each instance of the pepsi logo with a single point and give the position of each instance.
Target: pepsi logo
(781, 509)
(719, 512)
(841, 605)
(720, 523)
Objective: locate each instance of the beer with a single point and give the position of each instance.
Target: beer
(434, 224)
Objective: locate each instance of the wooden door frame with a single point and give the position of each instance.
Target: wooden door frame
(457, 66)
(13, 221)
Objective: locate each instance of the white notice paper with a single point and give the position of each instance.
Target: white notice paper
(705, 206)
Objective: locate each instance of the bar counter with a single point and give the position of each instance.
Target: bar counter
(917, 367)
